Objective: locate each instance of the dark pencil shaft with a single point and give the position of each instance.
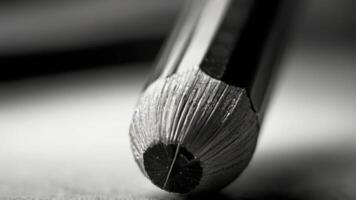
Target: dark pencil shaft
(176, 46)
(242, 40)
(246, 45)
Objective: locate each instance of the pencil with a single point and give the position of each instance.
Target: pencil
(196, 124)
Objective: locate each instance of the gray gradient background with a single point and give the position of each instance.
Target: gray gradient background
(66, 136)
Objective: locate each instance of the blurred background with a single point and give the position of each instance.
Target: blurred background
(72, 70)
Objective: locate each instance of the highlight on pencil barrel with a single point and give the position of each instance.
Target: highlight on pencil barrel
(196, 124)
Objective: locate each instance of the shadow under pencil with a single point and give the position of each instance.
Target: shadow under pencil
(302, 176)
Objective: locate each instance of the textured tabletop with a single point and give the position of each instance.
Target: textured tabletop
(66, 136)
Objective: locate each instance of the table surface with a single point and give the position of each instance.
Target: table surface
(66, 136)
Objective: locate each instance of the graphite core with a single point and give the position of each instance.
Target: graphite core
(182, 176)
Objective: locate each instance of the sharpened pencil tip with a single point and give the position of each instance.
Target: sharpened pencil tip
(191, 133)
(172, 167)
